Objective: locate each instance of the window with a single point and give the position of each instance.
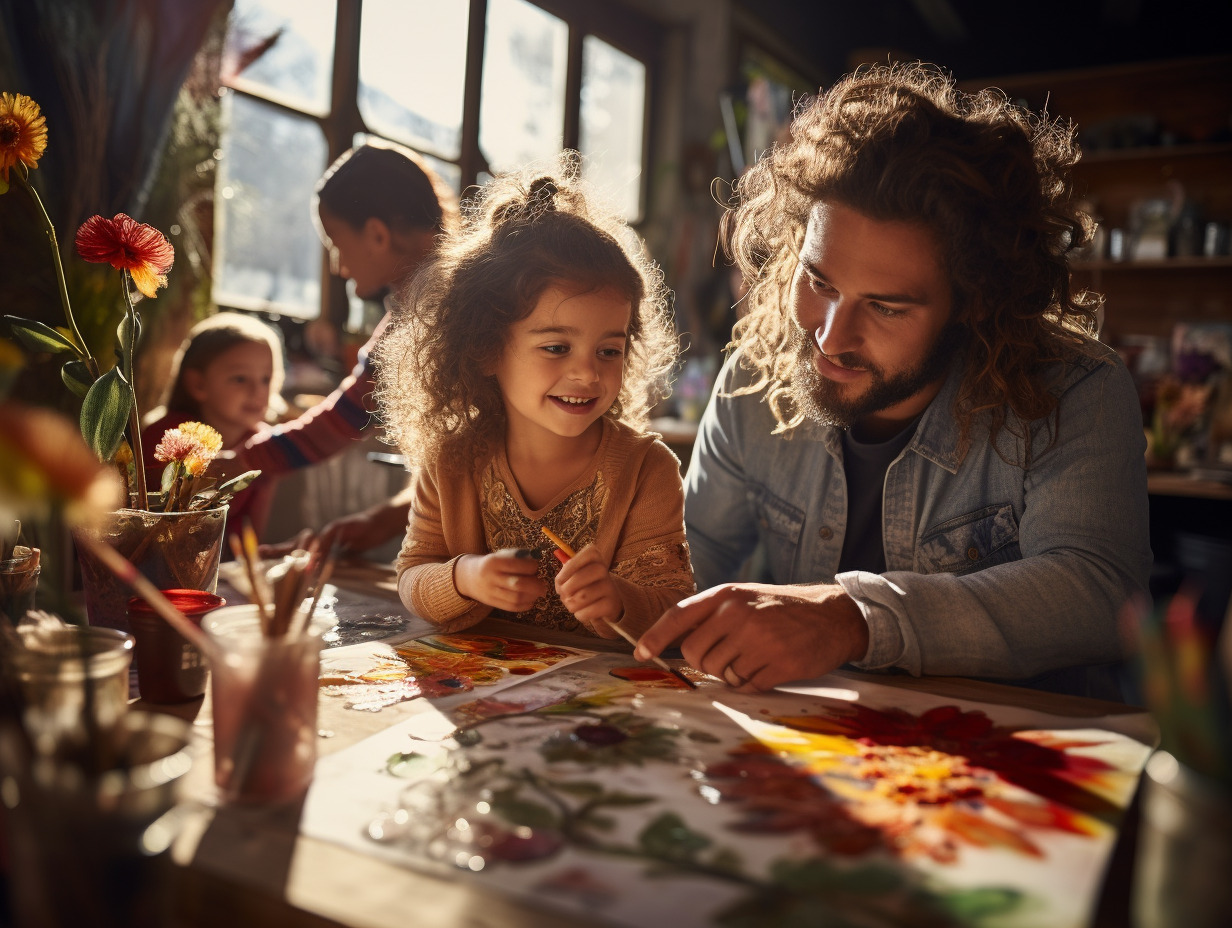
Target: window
(476, 86)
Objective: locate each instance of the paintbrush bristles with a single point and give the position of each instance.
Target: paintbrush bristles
(658, 661)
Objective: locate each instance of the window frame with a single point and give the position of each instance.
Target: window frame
(624, 29)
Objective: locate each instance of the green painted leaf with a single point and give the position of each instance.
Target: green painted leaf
(38, 337)
(77, 377)
(604, 823)
(168, 477)
(625, 799)
(523, 812)
(973, 905)
(583, 789)
(669, 838)
(408, 764)
(104, 413)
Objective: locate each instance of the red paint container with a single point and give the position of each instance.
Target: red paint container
(170, 669)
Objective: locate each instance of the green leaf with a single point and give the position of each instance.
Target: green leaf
(77, 377)
(168, 477)
(127, 333)
(104, 413)
(235, 484)
(38, 337)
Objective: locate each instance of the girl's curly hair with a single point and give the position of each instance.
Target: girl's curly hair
(991, 180)
(522, 232)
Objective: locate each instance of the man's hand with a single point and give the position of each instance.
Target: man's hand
(352, 534)
(586, 588)
(505, 579)
(757, 635)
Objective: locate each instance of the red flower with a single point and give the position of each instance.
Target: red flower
(127, 245)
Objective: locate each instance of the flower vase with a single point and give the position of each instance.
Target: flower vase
(173, 550)
(18, 583)
(94, 848)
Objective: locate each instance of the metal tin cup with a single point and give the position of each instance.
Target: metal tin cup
(1184, 849)
(54, 666)
(170, 669)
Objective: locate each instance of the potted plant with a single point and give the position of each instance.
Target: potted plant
(173, 531)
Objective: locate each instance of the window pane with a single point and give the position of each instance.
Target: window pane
(413, 92)
(522, 108)
(267, 254)
(282, 49)
(611, 122)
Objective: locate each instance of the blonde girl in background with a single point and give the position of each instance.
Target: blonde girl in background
(517, 376)
(227, 373)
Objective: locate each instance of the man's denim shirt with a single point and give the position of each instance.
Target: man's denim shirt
(993, 570)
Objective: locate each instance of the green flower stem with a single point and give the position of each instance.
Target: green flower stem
(134, 416)
(50, 230)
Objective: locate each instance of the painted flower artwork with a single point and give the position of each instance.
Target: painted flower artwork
(379, 675)
(859, 780)
(633, 802)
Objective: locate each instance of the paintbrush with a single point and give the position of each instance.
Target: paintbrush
(560, 543)
(567, 553)
(327, 569)
(256, 575)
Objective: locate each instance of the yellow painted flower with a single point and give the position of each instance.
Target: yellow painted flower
(23, 133)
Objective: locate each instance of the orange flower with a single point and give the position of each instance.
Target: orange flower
(127, 245)
(23, 133)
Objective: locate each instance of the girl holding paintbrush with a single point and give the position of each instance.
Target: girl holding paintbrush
(517, 376)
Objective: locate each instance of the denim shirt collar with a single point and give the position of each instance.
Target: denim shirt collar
(937, 437)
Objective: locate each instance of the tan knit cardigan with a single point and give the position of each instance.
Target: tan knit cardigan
(640, 529)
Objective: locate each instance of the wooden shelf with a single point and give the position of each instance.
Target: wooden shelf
(1179, 483)
(1154, 153)
(1220, 262)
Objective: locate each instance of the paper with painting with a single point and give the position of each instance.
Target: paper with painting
(373, 675)
(611, 790)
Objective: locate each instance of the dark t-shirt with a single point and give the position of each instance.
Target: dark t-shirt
(865, 467)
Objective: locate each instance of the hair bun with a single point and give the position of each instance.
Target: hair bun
(542, 194)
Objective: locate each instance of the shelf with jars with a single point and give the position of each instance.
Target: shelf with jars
(1156, 172)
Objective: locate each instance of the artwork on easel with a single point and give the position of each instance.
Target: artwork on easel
(374, 675)
(637, 802)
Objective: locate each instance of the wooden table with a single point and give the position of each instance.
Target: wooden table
(252, 867)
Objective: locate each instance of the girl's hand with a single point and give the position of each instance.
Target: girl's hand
(505, 579)
(586, 588)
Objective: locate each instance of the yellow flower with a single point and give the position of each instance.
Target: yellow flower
(192, 445)
(23, 133)
(209, 436)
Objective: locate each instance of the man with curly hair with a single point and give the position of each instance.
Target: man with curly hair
(942, 465)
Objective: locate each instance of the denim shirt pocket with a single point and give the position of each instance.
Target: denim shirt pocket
(970, 542)
(778, 521)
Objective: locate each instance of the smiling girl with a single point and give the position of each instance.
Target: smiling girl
(228, 374)
(516, 377)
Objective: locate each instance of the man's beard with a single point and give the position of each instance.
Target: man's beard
(821, 399)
